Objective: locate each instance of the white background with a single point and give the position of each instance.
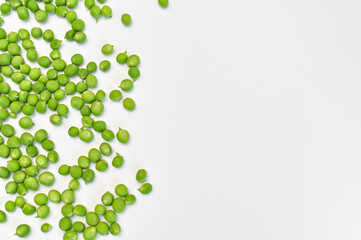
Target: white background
(248, 120)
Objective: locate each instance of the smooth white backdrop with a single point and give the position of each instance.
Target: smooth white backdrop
(248, 120)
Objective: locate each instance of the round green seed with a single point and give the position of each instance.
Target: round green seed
(105, 149)
(90, 233)
(76, 172)
(86, 135)
(88, 176)
(22, 230)
(41, 199)
(43, 211)
(126, 19)
(73, 131)
(65, 224)
(83, 162)
(46, 227)
(80, 210)
(100, 209)
(20, 201)
(78, 227)
(110, 216)
(10, 206)
(141, 175)
(129, 104)
(107, 11)
(2, 216)
(92, 218)
(67, 210)
(107, 199)
(163, 3)
(115, 95)
(46, 178)
(121, 190)
(107, 49)
(68, 196)
(130, 199)
(54, 196)
(122, 57)
(101, 165)
(114, 228)
(41, 135)
(29, 209)
(126, 85)
(146, 188)
(102, 228)
(123, 136)
(118, 205)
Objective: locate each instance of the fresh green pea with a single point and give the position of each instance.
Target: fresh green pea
(53, 156)
(104, 65)
(22, 230)
(68, 196)
(7, 130)
(26, 122)
(92, 218)
(88, 96)
(4, 151)
(54, 196)
(77, 59)
(64, 170)
(90, 233)
(20, 201)
(122, 57)
(86, 135)
(121, 190)
(55, 54)
(96, 12)
(78, 227)
(70, 88)
(101, 165)
(81, 87)
(36, 32)
(13, 142)
(100, 126)
(94, 155)
(32, 171)
(114, 228)
(4, 43)
(48, 35)
(46, 227)
(24, 161)
(100, 209)
(110, 216)
(80, 210)
(69, 35)
(141, 175)
(5, 59)
(76, 102)
(133, 61)
(50, 8)
(71, 3)
(32, 151)
(97, 108)
(115, 95)
(41, 199)
(73, 131)
(87, 121)
(67, 210)
(41, 135)
(32, 55)
(42, 161)
(41, 16)
(123, 136)
(163, 3)
(70, 235)
(126, 85)
(76, 172)
(61, 11)
(83, 162)
(71, 16)
(146, 188)
(5, 9)
(88, 176)
(63, 79)
(107, 49)
(91, 81)
(46, 178)
(60, 95)
(134, 73)
(4, 114)
(118, 205)
(4, 173)
(82, 73)
(65, 224)
(23, 34)
(19, 176)
(28, 110)
(74, 184)
(107, 11)
(48, 145)
(129, 104)
(126, 19)
(23, 13)
(56, 120)
(59, 64)
(33, 6)
(29, 209)
(14, 49)
(100, 96)
(105, 149)
(11, 187)
(79, 37)
(28, 44)
(107, 199)
(89, 3)
(10, 206)
(43, 211)
(78, 25)
(130, 199)
(44, 61)
(102, 228)
(2, 216)
(13, 165)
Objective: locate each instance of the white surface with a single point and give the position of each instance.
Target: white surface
(247, 120)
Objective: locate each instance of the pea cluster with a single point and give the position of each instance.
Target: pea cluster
(41, 88)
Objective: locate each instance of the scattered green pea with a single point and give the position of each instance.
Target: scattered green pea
(114, 228)
(118, 161)
(107, 49)
(146, 188)
(102, 228)
(130, 199)
(107, 199)
(141, 175)
(23, 230)
(46, 227)
(126, 19)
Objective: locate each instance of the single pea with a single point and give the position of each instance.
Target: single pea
(99, 126)
(101, 165)
(90, 233)
(64, 170)
(76, 102)
(28, 44)
(107, 199)
(2, 216)
(123, 136)
(104, 65)
(77, 59)
(48, 145)
(82, 73)
(70, 235)
(114, 228)
(108, 135)
(130, 199)
(118, 205)
(134, 73)
(60, 95)
(71, 16)
(92, 218)
(50, 8)
(69, 35)
(87, 121)
(46, 227)
(4, 173)
(22, 230)
(79, 37)
(126, 19)
(163, 3)
(89, 3)
(105, 149)
(24, 161)
(73, 131)
(59, 64)
(5, 59)
(88, 176)
(42, 161)
(71, 3)
(56, 120)
(95, 12)
(43, 211)
(63, 80)
(36, 32)
(122, 57)
(4, 151)
(129, 104)
(121, 190)
(92, 67)
(13, 166)
(68, 196)
(5, 9)
(23, 13)
(107, 49)
(83, 162)
(141, 175)
(65, 224)
(71, 70)
(100, 209)
(10, 206)
(61, 11)
(11, 187)
(115, 95)
(14, 49)
(110, 216)
(102, 228)
(102, 1)
(20, 201)
(54, 196)
(29, 209)
(126, 85)
(70, 88)
(76, 172)
(97, 108)
(44, 61)
(41, 199)
(94, 155)
(41, 135)
(13, 142)
(146, 188)
(133, 61)
(46, 178)
(107, 11)
(32, 151)
(80, 210)
(88, 96)
(4, 43)
(78, 25)
(28, 110)
(7, 130)
(53, 156)
(40, 107)
(78, 227)
(67, 210)
(81, 87)
(19, 176)
(32, 170)
(100, 96)
(86, 135)
(32, 55)
(62, 110)
(41, 16)
(55, 54)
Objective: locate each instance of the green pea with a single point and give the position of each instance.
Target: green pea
(104, 65)
(10, 206)
(43, 211)
(13, 142)
(73, 131)
(100, 96)
(11, 187)
(48, 145)
(5, 9)
(42, 161)
(4, 43)
(90, 233)
(107, 199)
(7, 130)
(61, 11)
(20, 201)
(88, 96)
(121, 190)
(88, 176)
(110, 216)
(102, 228)
(54, 196)
(22, 230)
(46, 227)
(56, 120)
(81, 87)
(46, 178)
(78, 227)
(107, 11)
(163, 3)
(50, 8)
(44, 61)
(107, 49)
(70, 88)
(101, 1)
(4, 173)
(134, 73)
(32, 171)
(53, 156)
(126, 19)
(69, 35)
(96, 12)
(78, 25)
(86, 135)
(99, 126)
(55, 54)
(92, 67)
(32, 55)
(123, 136)
(60, 95)
(100, 209)
(16, 154)
(89, 3)
(126, 85)
(23, 13)
(92, 218)
(114, 228)
(41, 135)
(118, 205)
(82, 73)
(28, 110)
(2, 216)
(68, 196)
(122, 57)
(70, 235)
(4, 114)
(41, 199)
(80, 210)
(83, 162)
(141, 175)
(5, 59)
(115, 95)
(63, 80)
(146, 188)
(14, 49)
(13, 165)
(130, 199)
(65, 224)
(71, 3)
(64, 170)
(19, 176)
(71, 16)
(94, 155)
(77, 59)
(129, 104)
(25, 161)
(76, 102)
(76, 172)
(101, 165)
(97, 108)
(36, 32)
(29, 209)
(133, 61)
(67, 210)
(28, 44)
(41, 16)
(79, 37)
(105, 149)
(59, 64)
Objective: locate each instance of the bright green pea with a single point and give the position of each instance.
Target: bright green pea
(76, 102)
(41, 135)
(107, 49)
(68, 196)
(60, 95)
(88, 96)
(97, 108)
(104, 65)
(14, 49)
(118, 205)
(86, 135)
(83, 162)
(46, 178)
(81, 87)
(73, 131)
(163, 3)
(107, 11)
(50, 8)
(74, 184)
(65, 224)
(146, 188)
(100, 96)
(42, 161)
(41, 199)
(32, 171)
(90, 233)
(10, 206)
(77, 59)
(141, 175)
(134, 73)
(53, 156)
(76, 172)
(11, 187)
(82, 73)
(29, 209)
(61, 11)
(102, 228)
(4, 173)
(5, 59)
(63, 80)
(2, 216)
(67, 210)
(54, 196)
(48, 35)
(78, 25)
(79, 37)
(28, 110)
(71, 3)
(70, 88)
(110, 216)
(44, 61)
(7, 130)
(23, 13)
(130, 199)
(56, 120)
(101, 165)
(114, 228)
(91, 81)
(24, 161)
(70, 235)
(96, 12)
(22, 230)
(41, 16)
(87, 121)
(123, 136)
(133, 61)
(69, 35)
(129, 104)
(46, 227)
(36, 32)
(78, 227)
(89, 3)
(19, 176)
(5, 9)
(13, 165)
(26, 122)
(105, 149)
(48, 145)
(115, 95)
(122, 57)
(99, 126)
(32, 55)
(4, 44)
(100, 209)
(88, 176)
(92, 218)
(43, 211)
(59, 64)
(71, 16)
(126, 19)
(121, 190)
(118, 161)
(80, 210)
(55, 54)
(13, 142)
(107, 199)
(92, 67)
(126, 85)
(108, 135)
(20, 201)
(64, 170)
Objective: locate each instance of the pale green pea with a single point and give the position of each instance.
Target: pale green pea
(41, 199)
(122, 57)
(99, 126)
(11, 187)
(121, 190)
(86, 135)
(29, 209)
(54, 196)
(107, 11)
(100, 96)
(104, 65)
(46, 227)
(134, 73)
(130, 199)
(83, 162)
(80, 210)
(79, 37)
(123, 136)
(107, 49)
(118, 205)
(53, 156)
(64, 170)
(96, 12)
(41, 16)
(126, 19)
(107, 199)
(141, 175)
(43, 211)
(115, 95)
(24, 161)
(65, 224)
(100, 209)
(20, 201)
(32, 171)
(102, 228)
(42, 161)
(146, 188)
(68, 196)
(76, 172)
(105, 149)
(114, 228)
(55, 54)
(129, 104)
(46, 178)
(10, 206)
(101, 165)
(48, 145)
(78, 227)
(73, 131)
(56, 120)
(67, 210)
(41, 135)
(22, 230)
(133, 61)
(92, 218)
(110, 216)
(126, 85)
